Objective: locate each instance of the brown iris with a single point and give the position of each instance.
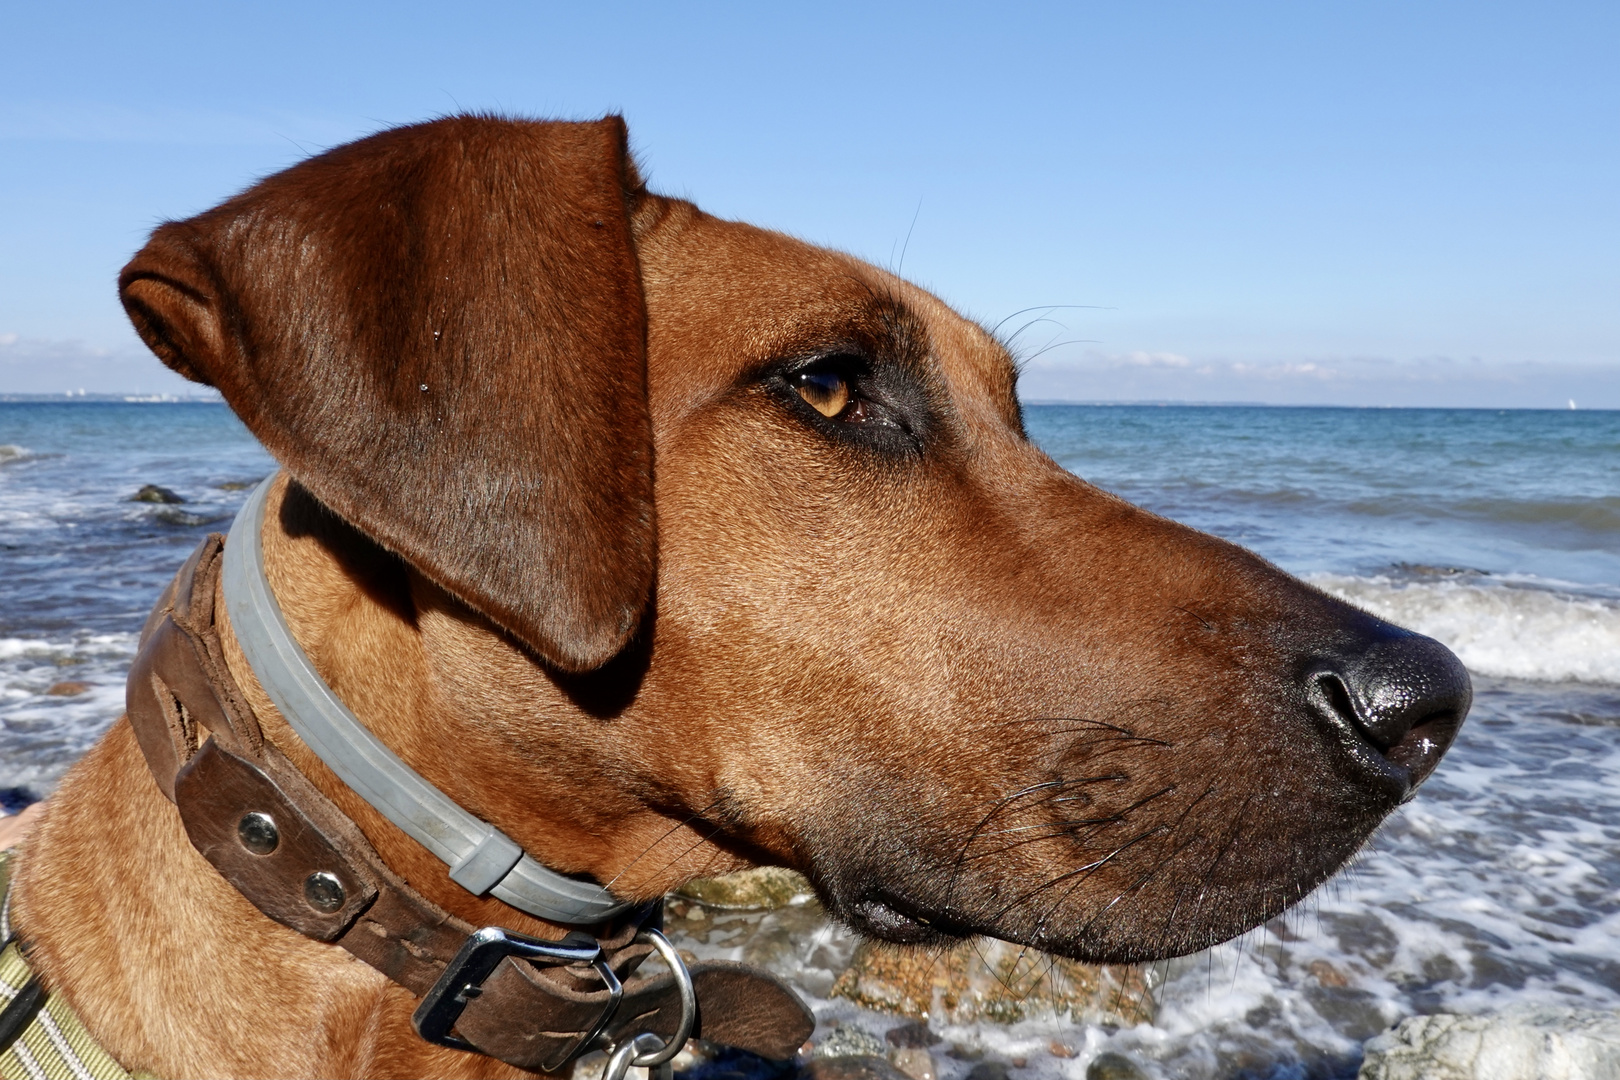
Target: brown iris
(826, 392)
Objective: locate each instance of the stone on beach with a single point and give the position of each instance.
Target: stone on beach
(915, 1062)
(992, 980)
(849, 1040)
(850, 1052)
(978, 980)
(1526, 1043)
(1111, 1066)
(764, 888)
(915, 1035)
(864, 1067)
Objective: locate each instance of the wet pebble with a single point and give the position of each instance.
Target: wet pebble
(863, 1067)
(915, 1035)
(1326, 974)
(764, 888)
(1111, 1066)
(67, 689)
(1356, 1013)
(915, 1062)
(991, 980)
(849, 1040)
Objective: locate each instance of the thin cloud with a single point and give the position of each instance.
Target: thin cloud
(1437, 381)
(44, 366)
(1157, 360)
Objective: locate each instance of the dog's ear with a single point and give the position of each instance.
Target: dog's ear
(440, 331)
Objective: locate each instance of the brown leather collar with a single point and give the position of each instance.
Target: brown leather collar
(313, 870)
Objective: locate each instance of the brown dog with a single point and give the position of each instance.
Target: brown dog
(673, 546)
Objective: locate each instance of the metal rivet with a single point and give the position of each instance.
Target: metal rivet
(323, 891)
(258, 833)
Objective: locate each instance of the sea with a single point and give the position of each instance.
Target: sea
(1497, 532)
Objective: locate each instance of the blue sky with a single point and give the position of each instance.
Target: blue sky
(1359, 203)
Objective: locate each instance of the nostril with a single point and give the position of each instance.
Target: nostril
(1329, 691)
(1402, 697)
(1420, 748)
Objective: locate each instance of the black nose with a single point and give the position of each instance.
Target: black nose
(1395, 699)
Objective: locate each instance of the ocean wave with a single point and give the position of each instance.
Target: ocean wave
(10, 452)
(1509, 629)
(1599, 514)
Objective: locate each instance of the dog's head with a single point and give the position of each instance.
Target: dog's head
(715, 529)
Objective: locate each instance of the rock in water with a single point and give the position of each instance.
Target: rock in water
(992, 980)
(914, 1035)
(915, 1062)
(68, 689)
(185, 518)
(152, 493)
(764, 888)
(1531, 1043)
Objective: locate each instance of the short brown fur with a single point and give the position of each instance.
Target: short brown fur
(961, 689)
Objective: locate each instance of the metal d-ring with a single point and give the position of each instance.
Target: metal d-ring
(624, 1055)
(683, 983)
(646, 1050)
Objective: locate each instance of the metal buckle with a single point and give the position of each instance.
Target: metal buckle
(477, 959)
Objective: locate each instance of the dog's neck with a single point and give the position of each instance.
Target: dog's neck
(479, 856)
(353, 608)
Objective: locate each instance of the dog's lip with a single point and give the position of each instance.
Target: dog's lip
(885, 915)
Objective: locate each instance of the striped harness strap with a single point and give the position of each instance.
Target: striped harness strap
(41, 1038)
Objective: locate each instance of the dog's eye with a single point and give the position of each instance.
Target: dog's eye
(844, 389)
(826, 391)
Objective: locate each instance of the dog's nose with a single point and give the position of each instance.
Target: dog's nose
(1395, 698)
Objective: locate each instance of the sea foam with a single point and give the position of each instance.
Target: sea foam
(1519, 630)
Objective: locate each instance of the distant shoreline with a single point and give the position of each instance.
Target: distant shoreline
(1174, 404)
(214, 399)
(76, 397)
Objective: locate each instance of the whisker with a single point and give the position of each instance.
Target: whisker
(995, 809)
(1045, 307)
(1063, 829)
(1083, 872)
(693, 846)
(1139, 882)
(673, 829)
(1147, 876)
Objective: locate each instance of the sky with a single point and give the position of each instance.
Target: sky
(1315, 203)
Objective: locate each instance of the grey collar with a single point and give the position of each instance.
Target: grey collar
(481, 858)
